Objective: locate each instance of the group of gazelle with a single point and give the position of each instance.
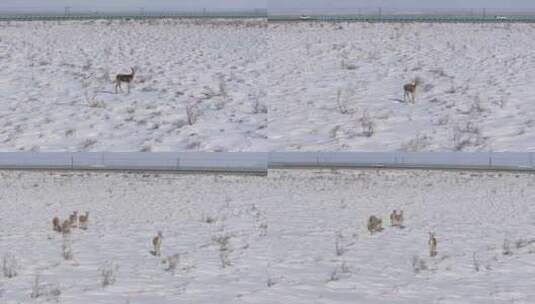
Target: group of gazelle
(396, 220)
(72, 221)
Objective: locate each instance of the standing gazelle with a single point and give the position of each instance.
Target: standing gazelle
(409, 91)
(396, 219)
(120, 78)
(73, 218)
(83, 219)
(56, 225)
(432, 244)
(157, 243)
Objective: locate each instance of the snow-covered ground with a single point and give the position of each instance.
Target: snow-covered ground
(276, 235)
(57, 91)
(476, 91)
(253, 86)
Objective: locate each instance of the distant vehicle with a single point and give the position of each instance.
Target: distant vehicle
(501, 18)
(304, 17)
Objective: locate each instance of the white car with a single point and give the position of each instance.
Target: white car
(501, 18)
(303, 17)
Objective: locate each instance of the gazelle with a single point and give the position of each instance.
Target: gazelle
(409, 91)
(66, 227)
(396, 219)
(157, 243)
(374, 224)
(56, 224)
(120, 78)
(83, 219)
(73, 218)
(432, 244)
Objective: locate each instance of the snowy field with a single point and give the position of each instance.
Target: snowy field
(338, 87)
(253, 239)
(245, 85)
(199, 85)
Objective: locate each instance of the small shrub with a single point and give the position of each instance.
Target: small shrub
(224, 249)
(367, 125)
(339, 244)
(222, 86)
(36, 288)
(341, 103)
(419, 143)
(9, 266)
(172, 262)
(96, 104)
(261, 221)
(192, 114)
(50, 292)
(506, 246)
(87, 144)
(270, 282)
(208, 219)
(466, 135)
(418, 264)
(259, 107)
(475, 262)
(70, 132)
(66, 248)
(334, 275)
(340, 271)
(108, 273)
(428, 87)
(334, 131)
(262, 225)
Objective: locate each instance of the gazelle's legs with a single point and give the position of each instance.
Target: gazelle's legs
(119, 86)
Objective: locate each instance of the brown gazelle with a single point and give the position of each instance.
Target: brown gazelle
(73, 218)
(83, 219)
(56, 224)
(157, 243)
(374, 224)
(66, 227)
(396, 219)
(120, 78)
(409, 91)
(432, 244)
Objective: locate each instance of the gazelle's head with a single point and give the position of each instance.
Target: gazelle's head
(160, 235)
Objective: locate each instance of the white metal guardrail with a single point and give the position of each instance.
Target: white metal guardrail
(96, 15)
(424, 160)
(154, 161)
(261, 162)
